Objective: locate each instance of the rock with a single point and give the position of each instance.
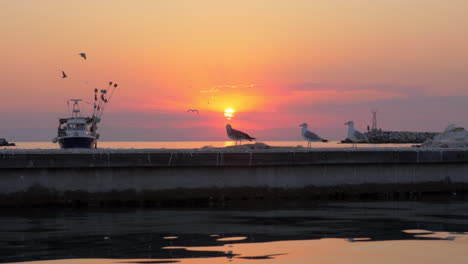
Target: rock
(378, 136)
(257, 145)
(4, 142)
(452, 137)
(346, 140)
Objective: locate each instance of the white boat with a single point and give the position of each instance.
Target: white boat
(79, 131)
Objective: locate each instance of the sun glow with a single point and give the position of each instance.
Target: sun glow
(229, 113)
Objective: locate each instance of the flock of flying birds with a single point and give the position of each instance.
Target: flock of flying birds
(215, 90)
(83, 55)
(99, 105)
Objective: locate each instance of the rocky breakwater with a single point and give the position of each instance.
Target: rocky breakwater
(4, 142)
(378, 136)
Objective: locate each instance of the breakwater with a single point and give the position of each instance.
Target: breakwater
(398, 137)
(4, 142)
(101, 177)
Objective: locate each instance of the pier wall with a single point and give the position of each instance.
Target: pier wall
(155, 176)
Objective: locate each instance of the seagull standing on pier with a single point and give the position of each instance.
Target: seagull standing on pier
(310, 136)
(237, 135)
(354, 135)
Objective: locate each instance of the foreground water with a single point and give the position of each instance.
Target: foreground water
(196, 144)
(370, 232)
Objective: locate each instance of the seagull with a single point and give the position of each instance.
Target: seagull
(354, 135)
(83, 55)
(310, 136)
(237, 135)
(64, 75)
(193, 111)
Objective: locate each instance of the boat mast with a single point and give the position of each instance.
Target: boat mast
(76, 107)
(101, 101)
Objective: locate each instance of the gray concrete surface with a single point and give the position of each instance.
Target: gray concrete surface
(61, 176)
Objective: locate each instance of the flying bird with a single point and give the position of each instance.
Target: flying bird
(211, 90)
(237, 135)
(310, 136)
(193, 111)
(354, 135)
(64, 75)
(83, 55)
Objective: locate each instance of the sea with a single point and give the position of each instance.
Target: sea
(199, 144)
(364, 232)
(325, 233)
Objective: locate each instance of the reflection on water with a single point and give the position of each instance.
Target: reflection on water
(372, 232)
(196, 144)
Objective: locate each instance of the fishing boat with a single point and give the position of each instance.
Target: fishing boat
(80, 131)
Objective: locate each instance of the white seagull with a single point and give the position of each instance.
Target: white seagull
(310, 136)
(237, 135)
(354, 135)
(83, 55)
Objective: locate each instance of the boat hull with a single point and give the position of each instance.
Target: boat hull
(76, 142)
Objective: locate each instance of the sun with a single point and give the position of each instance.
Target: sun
(229, 113)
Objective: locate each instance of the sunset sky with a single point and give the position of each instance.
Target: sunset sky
(276, 63)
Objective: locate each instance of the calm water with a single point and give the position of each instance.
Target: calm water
(196, 144)
(372, 232)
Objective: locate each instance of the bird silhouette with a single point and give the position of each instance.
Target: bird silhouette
(237, 135)
(193, 111)
(83, 55)
(64, 75)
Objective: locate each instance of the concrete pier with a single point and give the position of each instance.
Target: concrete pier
(163, 177)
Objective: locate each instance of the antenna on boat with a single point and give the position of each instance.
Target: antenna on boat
(102, 98)
(101, 101)
(113, 90)
(95, 101)
(106, 100)
(68, 105)
(76, 107)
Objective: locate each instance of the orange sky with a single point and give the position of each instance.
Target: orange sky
(277, 63)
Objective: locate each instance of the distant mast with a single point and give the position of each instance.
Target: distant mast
(374, 119)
